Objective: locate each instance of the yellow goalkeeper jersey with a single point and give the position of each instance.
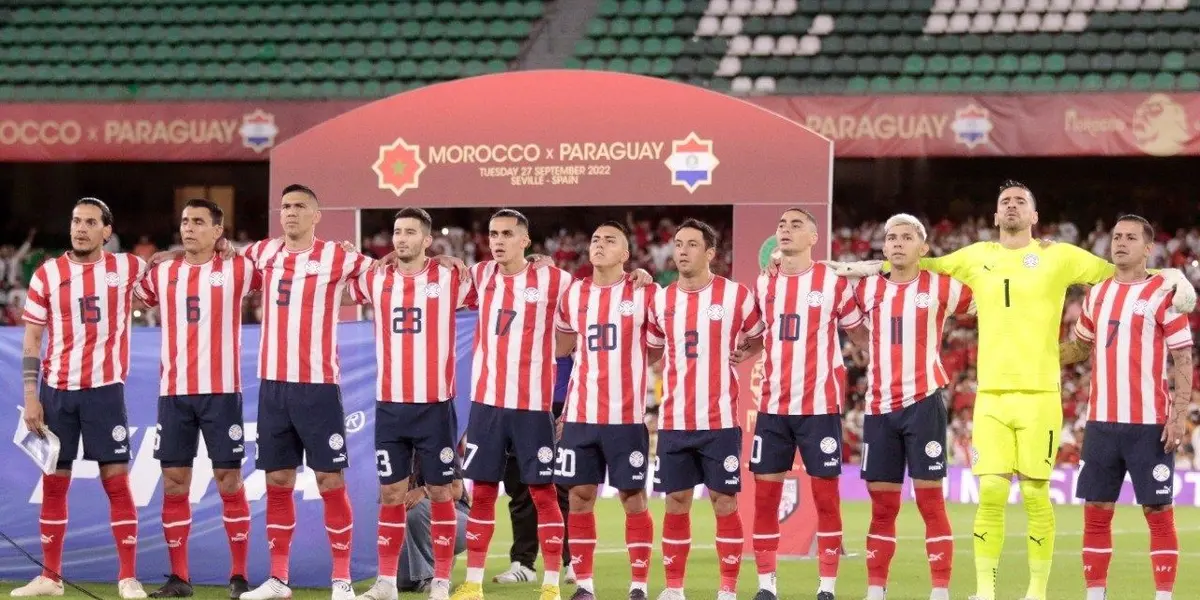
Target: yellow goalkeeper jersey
(1019, 297)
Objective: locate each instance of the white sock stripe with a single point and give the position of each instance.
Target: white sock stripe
(175, 524)
(671, 541)
(473, 520)
(1164, 552)
(270, 526)
(1099, 550)
(575, 541)
(45, 522)
(828, 533)
(342, 530)
(731, 540)
(387, 524)
(447, 522)
(765, 536)
(639, 545)
(235, 519)
(882, 538)
(541, 525)
(944, 538)
(115, 523)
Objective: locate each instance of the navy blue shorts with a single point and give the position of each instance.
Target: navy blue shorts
(181, 419)
(1112, 449)
(493, 433)
(776, 438)
(587, 451)
(97, 415)
(914, 436)
(424, 429)
(688, 458)
(300, 422)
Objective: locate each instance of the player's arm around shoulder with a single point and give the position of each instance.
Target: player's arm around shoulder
(958, 264)
(1078, 266)
(565, 335)
(1079, 347)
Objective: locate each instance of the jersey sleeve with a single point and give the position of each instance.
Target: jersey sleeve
(957, 264)
(1085, 327)
(958, 297)
(138, 267)
(254, 251)
(752, 321)
(847, 307)
(1078, 266)
(654, 336)
(359, 264)
(146, 289)
(653, 327)
(37, 299)
(859, 290)
(466, 291)
(256, 278)
(562, 316)
(359, 288)
(1177, 330)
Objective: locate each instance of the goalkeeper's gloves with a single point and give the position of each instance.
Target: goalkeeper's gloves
(1184, 301)
(861, 268)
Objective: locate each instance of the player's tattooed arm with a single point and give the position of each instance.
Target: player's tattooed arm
(1073, 351)
(31, 362)
(747, 349)
(1181, 373)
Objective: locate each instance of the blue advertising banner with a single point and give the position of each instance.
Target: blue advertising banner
(89, 554)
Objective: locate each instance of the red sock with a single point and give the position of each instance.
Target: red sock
(177, 525)
(730, 542)
(393, 518)
(53, 522)
(676, 544)
(767, 495)
(123, 516)
(827, 499)
(881, 537)
(481, 523)
(339, 525)
(550, 524)
(1164, 549)
(583, 543)
(443, 529)
(281, 524)
(939, 540)
(235, 511)
(1097, 545)
(639, 538)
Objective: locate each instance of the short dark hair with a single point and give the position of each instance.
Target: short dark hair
(811, 218)
(706, 230)
(412, 212)
(1013, 183)
(512, 214)
(618, 226)
(106, 216)
(218, 215)
(1147, 228)
(298, 187)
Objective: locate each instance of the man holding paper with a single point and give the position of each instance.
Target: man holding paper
(82, 301)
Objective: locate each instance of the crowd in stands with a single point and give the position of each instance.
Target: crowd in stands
(652, 249)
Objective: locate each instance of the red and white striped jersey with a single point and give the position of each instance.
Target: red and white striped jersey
(1131, 327)
(608, 382)
(415, 330)
(514, 362)
(86, 310)
(201, 312)
(302, 292)
(701, 329)
(904, 322)
(803, 372)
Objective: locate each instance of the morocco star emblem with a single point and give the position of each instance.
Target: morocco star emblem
(399, 166)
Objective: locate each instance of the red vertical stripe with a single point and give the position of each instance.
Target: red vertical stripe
(432, 336)
(812, 334)
(216, 321)
(86, 365)
(69, 323)
(624, 361)
(111, 319)
(585, 356)
(408, 386)
(879, 323)
(920, 367)
(502, 298)
(287, 271)
(333, 301)
(673, 353)
(168, 301)
(608, 361)
(244, 280)
(787, 349)
(192, 290)
(767, 300)
(832, 391)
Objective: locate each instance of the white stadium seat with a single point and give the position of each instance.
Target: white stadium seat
(821, 25)
(764, 45)
(742, 85)
(936, 24)
(1106, 5)
(1052, 23)
(1075, 22)
(1153, 4)
(741, 7)
(944, 6)
(708, 26)
(784, 8)
(959, 24)
(1029, 22)
(729, 66)
(809, 46)
(991, 6)
(717, 8)
(1060, 6)
(1014, 6)
(1083, 5)
(762, 7)
(786, 45)
(731, 25)
(764, 85)
(1177, 4)
(1037, 6)
(740, 45)
(1130, 5)
(983, 23)
(1006, 23)
(967, 6)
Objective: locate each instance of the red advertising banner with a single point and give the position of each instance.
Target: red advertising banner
(860, 126)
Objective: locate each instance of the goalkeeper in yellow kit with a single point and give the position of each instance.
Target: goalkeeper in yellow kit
(1019, 285)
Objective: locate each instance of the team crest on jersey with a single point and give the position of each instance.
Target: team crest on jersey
(112, 279)
(432, 290)
(637, 459)
(119, 433)
(235, 432)
(532, 294)
(1139, 307)
(545, 455)
(933, 449)
(716, 312)
(446, 455)
(814, 299)
(790, 500)
(1030, 261)
(336, 442)
(312, 267)
(923, 300)
(625, 308)
(829, 445)
(216, 279)
(1161, 473)
(731, 463)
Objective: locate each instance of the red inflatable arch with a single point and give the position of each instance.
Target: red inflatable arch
(573, 138)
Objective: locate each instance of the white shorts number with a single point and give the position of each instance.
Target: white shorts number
(565, 463)
(866, 450)
(383, 463)
(471, 450)
(654, 469)
(756, 450)
(157, 436)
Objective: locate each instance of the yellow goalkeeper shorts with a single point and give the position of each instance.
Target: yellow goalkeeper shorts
(1016, 432)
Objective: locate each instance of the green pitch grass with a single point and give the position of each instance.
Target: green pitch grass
(1129, 576)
